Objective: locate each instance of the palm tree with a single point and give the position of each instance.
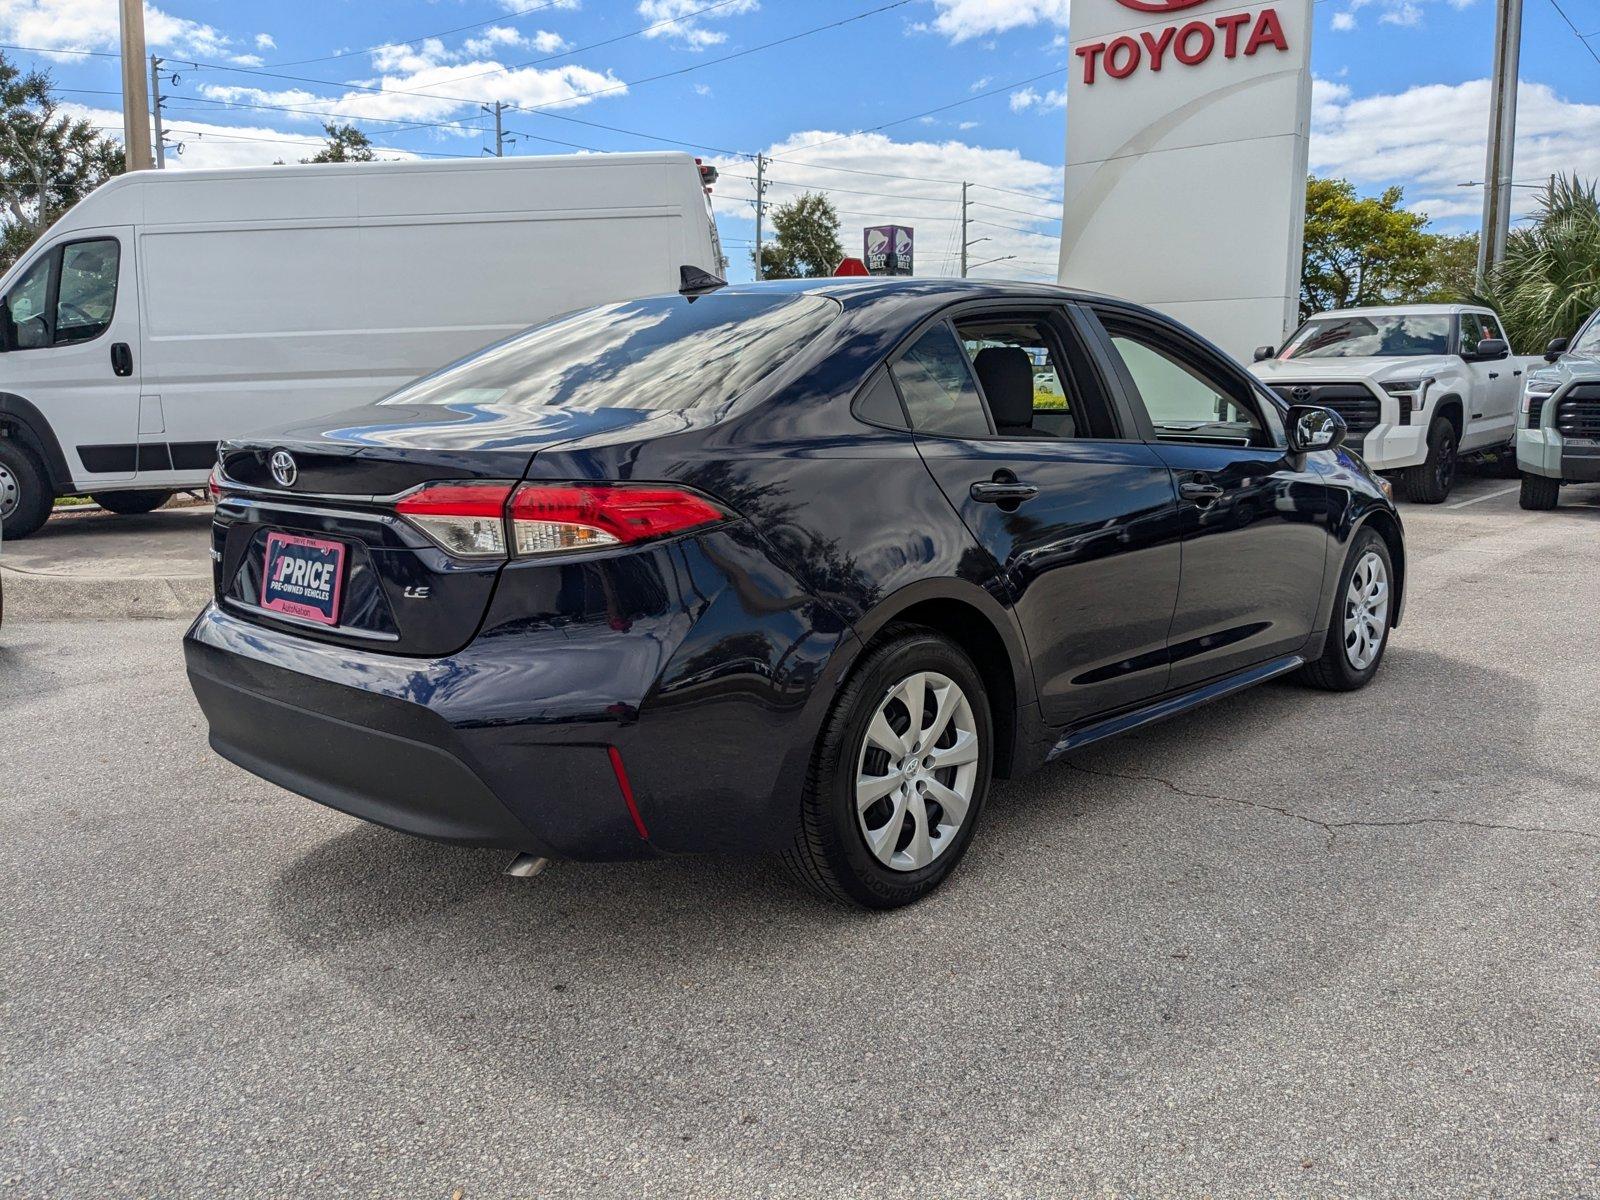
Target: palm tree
(1550, 278)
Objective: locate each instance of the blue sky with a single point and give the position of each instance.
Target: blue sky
(1401, 95)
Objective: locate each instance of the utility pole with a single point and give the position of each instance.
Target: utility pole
(963, 229)
(155, 112)
(1502, 137)
(135, 104)
(498, 110)
(761, 206)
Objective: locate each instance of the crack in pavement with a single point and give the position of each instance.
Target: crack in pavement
(1332, 828)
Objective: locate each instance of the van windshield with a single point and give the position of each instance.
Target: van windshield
(662, 354)
(1371, 336)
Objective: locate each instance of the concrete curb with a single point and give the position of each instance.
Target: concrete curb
(36, 596)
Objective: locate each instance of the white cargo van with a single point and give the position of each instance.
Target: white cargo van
(170, 309)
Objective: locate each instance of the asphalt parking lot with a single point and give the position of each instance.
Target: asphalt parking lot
(1295, 944)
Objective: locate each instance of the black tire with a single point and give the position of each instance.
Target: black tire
(1333, 671)
(830, 852)
(24, 489)
(1431, 482)
(1540, 493)
(131, 503)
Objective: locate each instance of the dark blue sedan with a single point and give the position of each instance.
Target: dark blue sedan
(794, 568)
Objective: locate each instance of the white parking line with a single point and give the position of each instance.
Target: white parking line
(1487, 496)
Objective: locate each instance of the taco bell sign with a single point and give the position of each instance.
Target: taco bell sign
(888, 250)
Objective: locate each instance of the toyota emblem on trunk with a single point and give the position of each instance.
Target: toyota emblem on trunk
(283, 468)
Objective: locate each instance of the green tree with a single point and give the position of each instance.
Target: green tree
(346, 143)
(1452, 269)
(48, 162)
(1550, 277)
(806, 244)
(1359, 249)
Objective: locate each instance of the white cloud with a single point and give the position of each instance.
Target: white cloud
(1430, 139)
(1029, 98)
(966, 125)
(702, 89)
(692, 32)
(209, 145)
(92, 25)
(979, 84)
(1022, 227)
(264, 41)
(504, 37)
(1343, 22)
(960, 20)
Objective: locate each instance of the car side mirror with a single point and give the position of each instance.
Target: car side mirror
(1265, 352)
(1312, 428)
(1555, 348)
(1490, 349)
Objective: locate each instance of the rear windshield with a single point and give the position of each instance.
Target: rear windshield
(1371, 336)
(662, 354)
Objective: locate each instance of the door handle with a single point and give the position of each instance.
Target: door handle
(1003, 492)
(1202, 495)
(121, 359)
(1494, 374)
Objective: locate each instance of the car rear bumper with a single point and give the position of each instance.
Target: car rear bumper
(347, 736)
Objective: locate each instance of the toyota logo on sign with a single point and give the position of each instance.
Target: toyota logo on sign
(283, 468)
(1159, 6)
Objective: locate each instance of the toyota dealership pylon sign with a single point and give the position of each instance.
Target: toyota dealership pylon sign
(1188, 128)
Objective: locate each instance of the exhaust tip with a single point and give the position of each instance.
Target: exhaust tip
(526, 866)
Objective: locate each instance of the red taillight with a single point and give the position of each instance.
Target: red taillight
(470, 519)
(214, 484)
(467, 519)
(551, 518)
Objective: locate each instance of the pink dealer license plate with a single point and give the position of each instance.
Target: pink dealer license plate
(302, 577)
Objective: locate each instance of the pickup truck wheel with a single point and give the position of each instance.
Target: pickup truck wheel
(1358, 627)
(130, 503)
(1431, 482)
(1540, 492)
(25, 495)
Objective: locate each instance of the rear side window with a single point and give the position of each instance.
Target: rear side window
(663, 354)
(937, 386)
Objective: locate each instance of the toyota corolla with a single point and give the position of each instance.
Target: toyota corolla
(793, 568)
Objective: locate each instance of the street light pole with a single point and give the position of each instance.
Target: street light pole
(1502, 137)
(964, 242)
(135, 103)
(761, 206)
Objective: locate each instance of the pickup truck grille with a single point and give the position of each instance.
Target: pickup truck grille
(1358, 406)
(1578, 414)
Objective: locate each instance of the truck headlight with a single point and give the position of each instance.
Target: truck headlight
(1411, 393)
(1540, 388)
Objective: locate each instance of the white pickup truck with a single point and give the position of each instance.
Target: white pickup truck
(1419, 386)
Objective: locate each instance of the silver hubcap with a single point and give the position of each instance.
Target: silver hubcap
(917, 770)
(1366, 611)
(10, 493)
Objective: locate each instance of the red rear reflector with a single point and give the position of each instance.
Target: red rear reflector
(550, 518)
(214, 484)
(626, 788)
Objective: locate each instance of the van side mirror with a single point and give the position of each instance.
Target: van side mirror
(1265, 352)
(1490, 349)
(1311, 428)
(1555, 348)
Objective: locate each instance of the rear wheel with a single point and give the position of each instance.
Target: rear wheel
(899, 777)
(1540, 492)
(1363, 608)
(130, 503)
(25, 495)
(1431, 482)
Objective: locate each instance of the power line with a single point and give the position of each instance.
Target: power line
(511, 16)
(1582, 41)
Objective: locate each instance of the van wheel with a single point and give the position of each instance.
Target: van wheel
(1540, 492)
(899, 776)
(1358, 628)
(132, 503)
(1431, 482)
(25, 495)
